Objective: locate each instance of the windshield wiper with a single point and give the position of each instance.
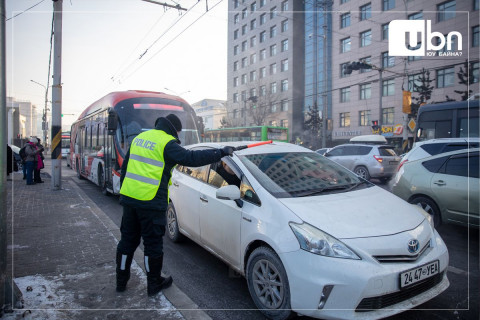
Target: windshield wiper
(327, 189)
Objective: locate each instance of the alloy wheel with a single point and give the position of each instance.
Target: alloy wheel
(268, 284)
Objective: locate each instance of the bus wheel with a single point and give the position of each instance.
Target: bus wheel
(79, 176)
(101, 181)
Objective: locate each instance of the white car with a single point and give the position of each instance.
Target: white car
(309, 236)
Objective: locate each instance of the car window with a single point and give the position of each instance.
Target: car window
(455, 147)
(350, 150)
(462, 165)
(199, 173)
(387, 152)
(220, 175)
(336, 152)
(247, 193)
(298, 174)
(363, 150)
(434, 165)
(433, 148)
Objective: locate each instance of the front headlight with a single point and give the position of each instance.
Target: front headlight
(318, 242)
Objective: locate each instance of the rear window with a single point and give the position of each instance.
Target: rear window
(435, 164)
(433, 148)
(386, 152)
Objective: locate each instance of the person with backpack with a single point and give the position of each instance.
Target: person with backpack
(31, 151)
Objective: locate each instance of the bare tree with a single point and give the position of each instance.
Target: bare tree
(259, 105)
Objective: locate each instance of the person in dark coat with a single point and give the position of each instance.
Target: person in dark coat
(147, 218)
(32, 151)
(38, 163)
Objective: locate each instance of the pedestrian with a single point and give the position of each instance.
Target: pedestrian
(38, 163)
(31, 151)
(145, 177)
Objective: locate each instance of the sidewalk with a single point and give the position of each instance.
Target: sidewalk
(61, 255)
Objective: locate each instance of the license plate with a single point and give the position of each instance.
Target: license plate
(417, 274)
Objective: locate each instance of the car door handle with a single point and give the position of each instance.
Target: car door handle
(175, 184)
(203, 199)
(440, 183)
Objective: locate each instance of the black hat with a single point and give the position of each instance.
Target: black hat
(177, 124)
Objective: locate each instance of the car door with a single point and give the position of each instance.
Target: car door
(456, 185)
(339, 155)
(220, 220)
(187, 183)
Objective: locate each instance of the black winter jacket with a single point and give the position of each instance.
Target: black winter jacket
(174, 154)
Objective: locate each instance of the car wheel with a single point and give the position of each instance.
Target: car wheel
(362, 172)
(268, 284)
(430, 207)
(172, 224)
(101, 181)
(384, 180)
(79, 176)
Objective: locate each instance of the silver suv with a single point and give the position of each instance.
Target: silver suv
(366, 160)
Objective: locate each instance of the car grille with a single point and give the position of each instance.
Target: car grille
(402, 258)
(375, 303)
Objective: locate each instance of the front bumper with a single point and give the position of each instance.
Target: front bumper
(356, 280)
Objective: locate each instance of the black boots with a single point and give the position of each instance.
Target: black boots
(124, 262)
(155, 281)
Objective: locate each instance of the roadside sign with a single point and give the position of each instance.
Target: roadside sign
(411, 125)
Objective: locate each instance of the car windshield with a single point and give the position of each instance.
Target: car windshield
(300, 174)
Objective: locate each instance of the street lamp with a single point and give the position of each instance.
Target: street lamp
(44, 117)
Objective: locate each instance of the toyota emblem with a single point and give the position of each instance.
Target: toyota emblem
(413, 245)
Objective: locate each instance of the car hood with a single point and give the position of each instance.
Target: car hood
(370, 212)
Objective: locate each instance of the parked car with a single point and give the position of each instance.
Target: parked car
(445, 185)
(366, 160)
(306, 235)
(424, 149)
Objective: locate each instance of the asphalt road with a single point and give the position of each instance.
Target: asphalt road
(214, 287)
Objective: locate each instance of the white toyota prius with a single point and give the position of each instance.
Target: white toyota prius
(309, 236)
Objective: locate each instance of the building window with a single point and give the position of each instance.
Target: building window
(366, 12)
(345, 94)
(235, 66)
(475, 36)
(367, 60)
(263, 54)
(284, 25)
(388, 116)
(366, 38)
(273, 68)
(475, 72)
(253, 76)
(235, 34)
(263, 72)
(253, 93)
(284, 123)
(263, 91)
(263, 18)
(385, 31)
(387, 61)
(345, 119)
(345, 45)
(285, 5)
(273, 123)
(446, 11)
(244, 45)
(412, 81)
(244, 95)
(415, 16)
(284, 66)
(388, 5)
(284, 85)
(388, 87)
(236, 18)
(342, 69)
(445, 77)
(364, 118)
(235, 50)
(273, 12)
(244, 13)
(273, 31)
(273, 50)
(262, 3)
(285, 45)
(235, 97)
(263, 36)
(284, 105)
(453, 45)
(253, 7)
(345, 20)
(235, 82)
(273, 107)
(244, 29)
(244, 62)
(475, 4)
(253, 41)
(235, 4)
(365, 91)
(244, 78)
(253, 24)
(344, 1)
(273, 87)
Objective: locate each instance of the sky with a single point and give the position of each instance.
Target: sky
(102, 41)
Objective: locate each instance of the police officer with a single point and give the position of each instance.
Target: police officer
(145, 177)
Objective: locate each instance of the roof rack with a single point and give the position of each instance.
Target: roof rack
(369, 139)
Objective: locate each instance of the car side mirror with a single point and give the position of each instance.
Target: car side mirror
(228, 193)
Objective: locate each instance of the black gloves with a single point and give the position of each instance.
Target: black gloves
(227, 151)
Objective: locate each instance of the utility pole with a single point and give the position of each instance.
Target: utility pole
(57, 97)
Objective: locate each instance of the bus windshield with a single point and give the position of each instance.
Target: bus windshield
(139, 114)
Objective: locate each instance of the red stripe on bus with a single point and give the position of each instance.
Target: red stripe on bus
(156, 106)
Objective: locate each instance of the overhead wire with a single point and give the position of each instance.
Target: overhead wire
(24, 11)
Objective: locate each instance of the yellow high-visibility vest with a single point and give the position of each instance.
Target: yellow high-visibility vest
(145, 165)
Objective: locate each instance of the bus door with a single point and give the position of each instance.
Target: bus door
(109, 160)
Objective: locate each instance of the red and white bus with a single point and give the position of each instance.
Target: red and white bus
(101, 136)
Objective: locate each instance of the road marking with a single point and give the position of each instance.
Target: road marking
(457, 271)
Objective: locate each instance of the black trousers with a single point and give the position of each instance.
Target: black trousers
(142, 223)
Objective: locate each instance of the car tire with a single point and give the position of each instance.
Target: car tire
(263, 268)
(173, 231)
(362, 172)
(430, 207)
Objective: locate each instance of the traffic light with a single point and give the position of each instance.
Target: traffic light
(375, 126)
